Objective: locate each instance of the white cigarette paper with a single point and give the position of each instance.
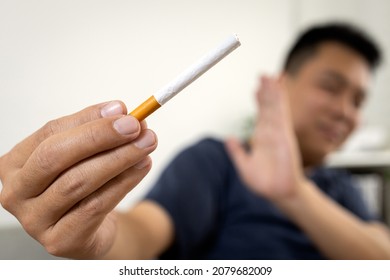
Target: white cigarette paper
(197, 69)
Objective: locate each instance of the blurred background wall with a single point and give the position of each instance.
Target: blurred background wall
(57, 57)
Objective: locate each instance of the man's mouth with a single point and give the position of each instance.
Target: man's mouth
(332, 134)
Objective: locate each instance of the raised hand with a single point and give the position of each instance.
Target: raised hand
(272, 167)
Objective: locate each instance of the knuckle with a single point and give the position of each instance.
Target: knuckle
(4, 201)
(93, 206)
(56, 244)
(53, 246)
(30, 224)
(50, 129)
(7, 166)
(46, 157)
(7, 199)
(74, 184)
(53, 249)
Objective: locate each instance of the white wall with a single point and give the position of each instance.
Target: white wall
(57, 57)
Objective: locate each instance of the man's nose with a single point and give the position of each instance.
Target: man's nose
(345, 108)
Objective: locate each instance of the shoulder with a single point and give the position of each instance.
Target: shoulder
(208, 145)
(206, 150)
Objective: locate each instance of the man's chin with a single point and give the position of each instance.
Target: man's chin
(314, 152)
(315, 157)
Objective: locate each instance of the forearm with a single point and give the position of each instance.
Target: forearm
(125, 245)
(143, 232)
(337, 233)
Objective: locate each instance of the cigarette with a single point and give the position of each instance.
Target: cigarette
(184, 79)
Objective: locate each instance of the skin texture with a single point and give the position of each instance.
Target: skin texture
(72, 172)
(76, 169)
(325, 98)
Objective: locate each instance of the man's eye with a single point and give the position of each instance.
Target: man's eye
(358, 102)
(334, 89)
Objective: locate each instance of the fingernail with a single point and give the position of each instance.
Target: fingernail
(146, 140)
(112, 109)
(143, 163)
(126, 125)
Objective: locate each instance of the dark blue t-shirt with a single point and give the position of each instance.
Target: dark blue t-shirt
(217, 217)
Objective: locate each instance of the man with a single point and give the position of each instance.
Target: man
(268, 199)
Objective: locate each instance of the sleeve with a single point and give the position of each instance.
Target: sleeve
(352, 199)
(189, 189)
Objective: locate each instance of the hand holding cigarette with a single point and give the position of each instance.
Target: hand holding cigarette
(63, 181)
(187, 77)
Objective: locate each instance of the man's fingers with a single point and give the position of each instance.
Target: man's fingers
(22, 151)
(90, 213)
(59, 152)
(272, 106)
(144, 125)
(269, 94)
(88, 176)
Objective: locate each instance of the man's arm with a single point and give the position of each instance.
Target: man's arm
(337, 233)
(143, 232)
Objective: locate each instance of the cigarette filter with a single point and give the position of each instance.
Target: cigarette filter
(184, 79)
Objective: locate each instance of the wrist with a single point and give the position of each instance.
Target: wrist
(295, 200)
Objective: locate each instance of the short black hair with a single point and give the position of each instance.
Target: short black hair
(342, 33)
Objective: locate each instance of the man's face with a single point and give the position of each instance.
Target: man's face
(326, 94)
